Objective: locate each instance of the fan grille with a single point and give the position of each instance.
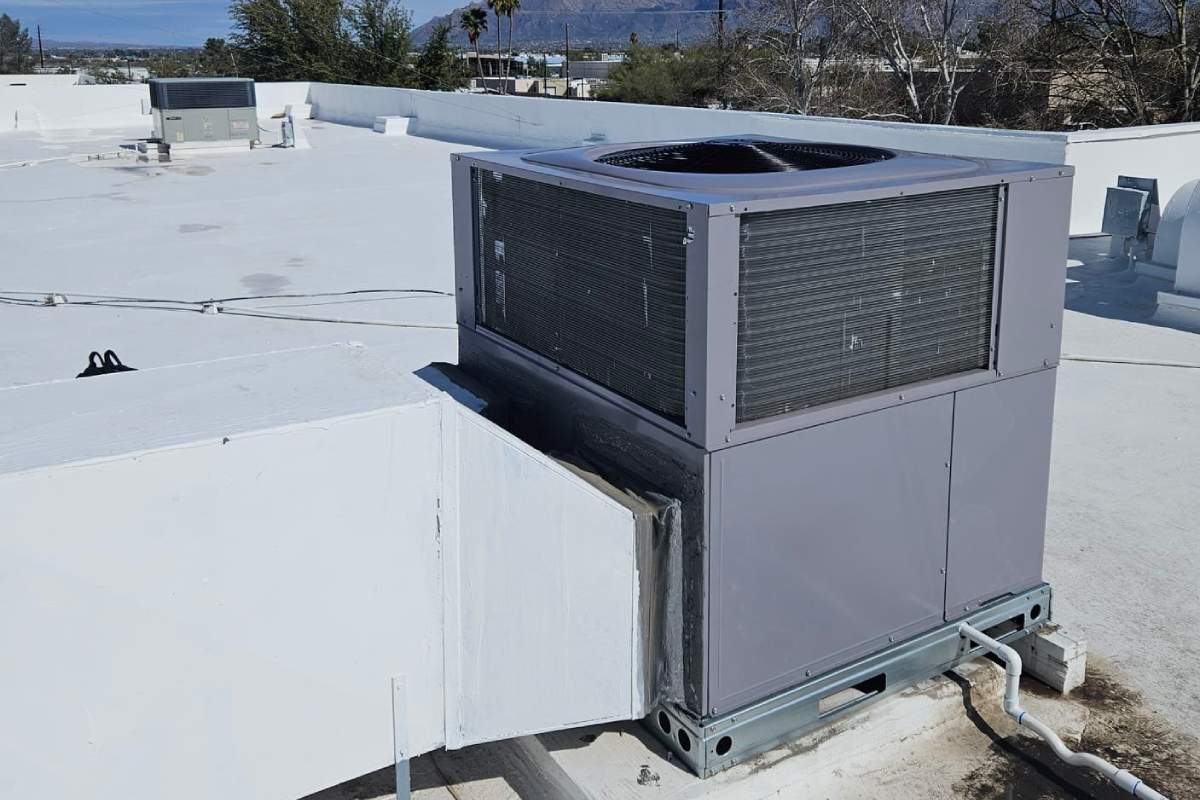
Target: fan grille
(734, 156)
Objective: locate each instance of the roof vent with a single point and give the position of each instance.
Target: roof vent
(743, 156)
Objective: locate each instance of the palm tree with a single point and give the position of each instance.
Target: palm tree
(511, 7)
(474, 21)
(498, 8)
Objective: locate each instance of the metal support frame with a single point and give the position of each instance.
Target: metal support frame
(400, 737)
(714, 744)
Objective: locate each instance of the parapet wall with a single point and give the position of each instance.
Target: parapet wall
(54, 107)
(1170, 153)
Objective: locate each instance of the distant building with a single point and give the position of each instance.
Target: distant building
(592, 70)
(490, 63)
(583, 89)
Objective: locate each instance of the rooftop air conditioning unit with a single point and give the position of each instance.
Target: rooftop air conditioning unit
(841, 360)
(190, 110)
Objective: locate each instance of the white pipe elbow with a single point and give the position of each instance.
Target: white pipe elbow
(1012, 706)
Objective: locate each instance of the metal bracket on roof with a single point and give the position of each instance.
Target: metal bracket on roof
(714, 744)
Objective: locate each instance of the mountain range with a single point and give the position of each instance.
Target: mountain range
(57, 44)
(540, 24)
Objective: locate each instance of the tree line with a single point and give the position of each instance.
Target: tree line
(1043, 64)
(339, 41)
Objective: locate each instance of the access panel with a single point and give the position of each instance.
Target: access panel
(825, 543)
(998, 489)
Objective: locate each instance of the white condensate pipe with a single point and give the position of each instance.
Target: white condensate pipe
(1123, 778)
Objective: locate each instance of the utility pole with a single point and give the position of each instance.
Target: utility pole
(41, 52)
(567, 58)
(723, 64)
(721, 25)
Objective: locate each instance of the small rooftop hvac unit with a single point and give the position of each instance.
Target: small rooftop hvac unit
(189, 110)
(840, 359)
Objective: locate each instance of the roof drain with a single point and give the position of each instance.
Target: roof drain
(1122, 778)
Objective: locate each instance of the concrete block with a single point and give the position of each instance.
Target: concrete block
(392, 126)
(1054, 657)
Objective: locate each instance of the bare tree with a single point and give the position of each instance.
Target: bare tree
(1121, 62)
(1014, 69)
(1181, 48)
(783, 52)
(919, 44)
(1099, 60)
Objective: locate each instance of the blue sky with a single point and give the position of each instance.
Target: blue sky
(179, 22)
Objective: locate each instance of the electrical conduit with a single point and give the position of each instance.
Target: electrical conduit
(1123, 778)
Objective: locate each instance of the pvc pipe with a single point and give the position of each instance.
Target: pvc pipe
(1123, 778)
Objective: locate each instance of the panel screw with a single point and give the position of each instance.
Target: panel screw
(891, 638)
(808, 673)
(947, 465)
(722, 397)
(901, 397)
(1051, 324)
(942, 571)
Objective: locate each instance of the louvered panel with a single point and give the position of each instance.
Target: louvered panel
(186, 94)
(591, 282)
(843, 300)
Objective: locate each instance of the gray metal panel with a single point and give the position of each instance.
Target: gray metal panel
(697, 373)
(464, 246)
(998, 489)
(825, 542)
(1123, 211)
(205, 125)
(243, 123)
(721, 335)
(1034, 275)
